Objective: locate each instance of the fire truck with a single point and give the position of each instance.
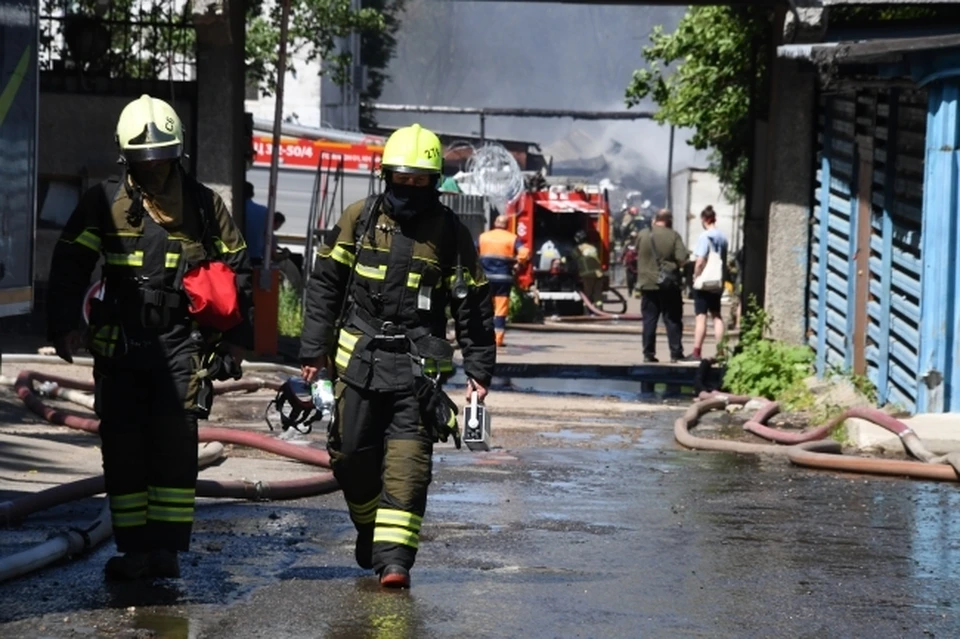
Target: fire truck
(18, 128)
(545, 217)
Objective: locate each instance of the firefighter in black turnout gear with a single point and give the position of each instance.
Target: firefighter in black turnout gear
(376, 319)
(157, 344)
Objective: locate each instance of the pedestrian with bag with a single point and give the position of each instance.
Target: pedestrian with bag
(175, 315)
(376, 322)
(660, 259)
(709, 276)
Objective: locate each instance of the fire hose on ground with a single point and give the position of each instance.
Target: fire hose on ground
(811, 448)
(78, 540)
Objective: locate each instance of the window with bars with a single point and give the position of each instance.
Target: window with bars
(117, 40)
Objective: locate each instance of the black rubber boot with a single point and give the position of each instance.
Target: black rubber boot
(395, 577)
(164, 564)
(363, 550)
(128, 567)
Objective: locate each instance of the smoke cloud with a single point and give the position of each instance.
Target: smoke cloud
(562, 56)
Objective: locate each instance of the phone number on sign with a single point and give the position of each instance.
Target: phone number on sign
(286, 150)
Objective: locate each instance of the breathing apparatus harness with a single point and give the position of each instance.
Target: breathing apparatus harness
(438, 411)
(295, 405)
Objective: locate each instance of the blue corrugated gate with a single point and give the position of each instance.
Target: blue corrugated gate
(893, 334)
(891, 128)
(832, 236)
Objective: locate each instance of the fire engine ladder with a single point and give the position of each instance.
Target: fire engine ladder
(322, 200)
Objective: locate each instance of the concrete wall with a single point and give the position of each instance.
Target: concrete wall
(77, 134)
(791, 201)
(221, 140)
(782, 234)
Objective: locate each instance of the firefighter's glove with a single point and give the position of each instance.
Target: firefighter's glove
(69, 343)
(438, 412)
(224, 367)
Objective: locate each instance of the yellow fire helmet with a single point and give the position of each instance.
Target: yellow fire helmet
(413, 149)
(149, 129)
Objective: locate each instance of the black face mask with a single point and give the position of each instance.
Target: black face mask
(405, 201)
(152, 178)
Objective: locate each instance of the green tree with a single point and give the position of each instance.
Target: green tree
(703, 77)
(314, 28)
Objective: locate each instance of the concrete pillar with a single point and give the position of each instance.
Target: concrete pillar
(776, 235)
(221, 33)
(791, 155)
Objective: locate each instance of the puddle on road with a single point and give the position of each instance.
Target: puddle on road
(622, 389)
(166, 626)
(591, 387)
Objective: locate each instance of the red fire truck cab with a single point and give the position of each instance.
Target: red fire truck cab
(545, 219)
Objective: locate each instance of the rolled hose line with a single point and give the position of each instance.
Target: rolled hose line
(601, 316)
(810, 449)
(40, 358)
(77, 541)
(288, 489)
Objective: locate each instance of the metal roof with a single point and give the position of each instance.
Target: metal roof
(322, 133)
(867, 51)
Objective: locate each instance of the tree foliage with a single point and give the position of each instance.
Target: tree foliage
(315, 27)
(701, 77)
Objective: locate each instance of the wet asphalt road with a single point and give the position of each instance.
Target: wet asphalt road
(586, 533)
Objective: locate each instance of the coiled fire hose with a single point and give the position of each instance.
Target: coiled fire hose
(75, 541)
(811, 448)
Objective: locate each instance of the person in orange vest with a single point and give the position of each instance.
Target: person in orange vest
(501, 252)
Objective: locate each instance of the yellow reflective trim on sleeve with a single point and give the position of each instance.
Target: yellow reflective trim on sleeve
(396, 536)
(125, 259)
(371, 272)
(173, 260)
(88, 239)
(342, 255)
(223, 249)
(400, 518)
(413, 280)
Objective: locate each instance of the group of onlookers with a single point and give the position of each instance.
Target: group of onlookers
(654, 260)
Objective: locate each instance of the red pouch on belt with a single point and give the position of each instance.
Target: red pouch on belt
(211, 290)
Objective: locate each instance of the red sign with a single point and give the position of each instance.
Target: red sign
(303, 153)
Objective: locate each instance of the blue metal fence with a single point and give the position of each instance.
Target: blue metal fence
(833, 233)
(941, 247)
(895, 121)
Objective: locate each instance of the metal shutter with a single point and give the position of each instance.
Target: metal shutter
(895, 263)
(833, 235)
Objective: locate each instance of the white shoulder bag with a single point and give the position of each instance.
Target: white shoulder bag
(711, 277)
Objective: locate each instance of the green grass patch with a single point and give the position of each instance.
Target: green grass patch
(290, 314)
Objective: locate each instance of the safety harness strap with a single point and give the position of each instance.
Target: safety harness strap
(378, 329)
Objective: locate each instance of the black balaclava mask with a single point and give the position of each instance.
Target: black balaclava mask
(153, 177)
(405, 201)
(160, 183)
